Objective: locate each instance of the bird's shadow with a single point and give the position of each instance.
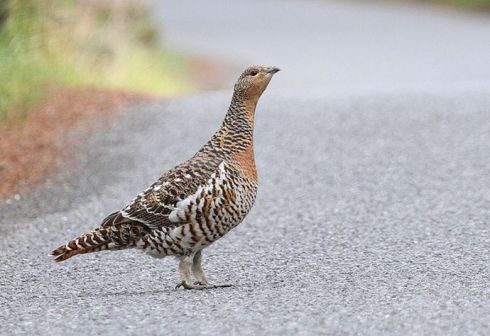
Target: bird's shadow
(132, 293)
(142, 292)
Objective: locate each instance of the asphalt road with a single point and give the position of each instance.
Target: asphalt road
(373, 210)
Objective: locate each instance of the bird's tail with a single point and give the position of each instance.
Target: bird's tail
(104, 238)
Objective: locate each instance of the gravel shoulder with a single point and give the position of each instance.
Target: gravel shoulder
(36, 146)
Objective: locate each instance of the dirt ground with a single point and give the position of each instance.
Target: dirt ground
(32, 147)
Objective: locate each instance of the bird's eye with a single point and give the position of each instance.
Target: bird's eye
(254, 73)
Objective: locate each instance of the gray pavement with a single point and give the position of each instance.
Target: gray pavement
(373, 209)
(337, 46)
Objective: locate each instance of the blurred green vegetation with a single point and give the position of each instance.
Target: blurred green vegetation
(476, 4)
(107, 44)
(469, 4)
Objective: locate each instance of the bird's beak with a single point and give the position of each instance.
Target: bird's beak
(272, 70)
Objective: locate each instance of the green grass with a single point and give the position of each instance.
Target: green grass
(152, 72)
(23, 66)
(45, 42)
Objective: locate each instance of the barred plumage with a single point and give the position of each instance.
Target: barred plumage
(196, 202)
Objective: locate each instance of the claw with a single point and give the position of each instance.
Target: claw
(189, 286)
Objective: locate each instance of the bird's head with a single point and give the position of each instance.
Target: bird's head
(253, 81)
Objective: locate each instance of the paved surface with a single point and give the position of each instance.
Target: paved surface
(373, 213)
(337, 46)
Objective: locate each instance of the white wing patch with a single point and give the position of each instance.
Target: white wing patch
(182, 207)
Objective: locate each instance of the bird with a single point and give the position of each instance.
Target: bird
(195, 203)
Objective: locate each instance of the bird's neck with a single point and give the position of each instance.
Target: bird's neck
(242, 109)
(236, 133)
(235, 137)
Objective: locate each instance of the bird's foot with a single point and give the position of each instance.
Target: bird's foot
(188, 285)
(199, 286)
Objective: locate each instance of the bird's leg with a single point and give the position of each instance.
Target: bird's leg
(197, 269)
(185, 274)
(199, 273)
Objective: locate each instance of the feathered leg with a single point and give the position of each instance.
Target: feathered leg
(185, 274)
(197, 269)
(198, 272)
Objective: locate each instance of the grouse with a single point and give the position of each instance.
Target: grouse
(195, 203)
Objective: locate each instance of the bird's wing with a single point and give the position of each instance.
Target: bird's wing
(153, 207)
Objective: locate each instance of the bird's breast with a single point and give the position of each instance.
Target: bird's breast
(244, 161)
(215, 208)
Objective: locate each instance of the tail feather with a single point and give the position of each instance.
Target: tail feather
(112, 238)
